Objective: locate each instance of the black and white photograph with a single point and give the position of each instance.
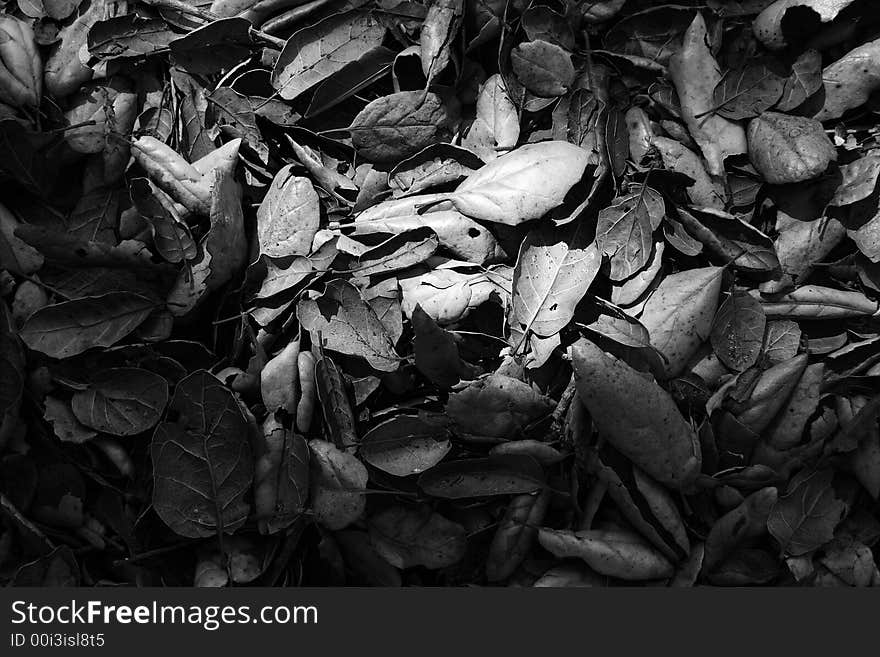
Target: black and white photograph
(436, 294)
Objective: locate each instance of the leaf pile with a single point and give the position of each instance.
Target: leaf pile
(439, 293)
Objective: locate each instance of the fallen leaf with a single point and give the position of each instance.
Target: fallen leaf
(679, 313)
(551, 276)
(522, 185)
(617, 552)
(695, 73)
(348, 325)
(338, 482)
(499, 475)
(405, 445)
(396, 126)
(202, 462)
(314, 53)
(636, 415)
(408, 537)
(68, 328)
(122, 401)
(805, 517)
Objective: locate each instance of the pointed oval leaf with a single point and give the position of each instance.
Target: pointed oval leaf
(121, 401)
(516, 534)
(804, 518)
(405, 445)
(202, 461)
(401, 124)
(522, 185)
(338, 481)
(679, 313)
(738, 331)
(745, 93)
(551, 276)
(71, 327)
(637, 416)
(624, 231)
(408, 537)
(543, 68)
(349, 325)
(497, 475)
(289, 216)
(617, 553)
(314, 53)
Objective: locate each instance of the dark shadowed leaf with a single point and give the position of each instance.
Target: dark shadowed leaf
(745, 93)
(398, 252)
(337, 485)
(516, 534)
(70, 327)
(543, 68)
(171, 236)
(738, 331)
(624, 232)
(496, 475)
(59, 568)
(121, 401)
(130, 35)
(436, 353)
(405, 445)
(804, 81)
(804, 518)
(202, 461)
(217, 46)
(416, 536)
(396, 126)
(236, 112)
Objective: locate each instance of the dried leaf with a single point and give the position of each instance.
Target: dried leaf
(338, 481)
(314, 53)
(624, 231)
(552, 275)
(748, 92)
(438, 31)
(396, 126)
(202, 462)
(68, 328)
(636, 416)
(408, 537)
(122, 401)
(516, 534)
(543, 68)
(498, 475)
(289, 216)
(522, 185)
(805, 517)
(616, 552)
(678, 315)
(348, 325)
(738, 331)
(405, 445)
(695, 73)
(495, 408)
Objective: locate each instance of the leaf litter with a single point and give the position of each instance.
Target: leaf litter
(557, 294)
